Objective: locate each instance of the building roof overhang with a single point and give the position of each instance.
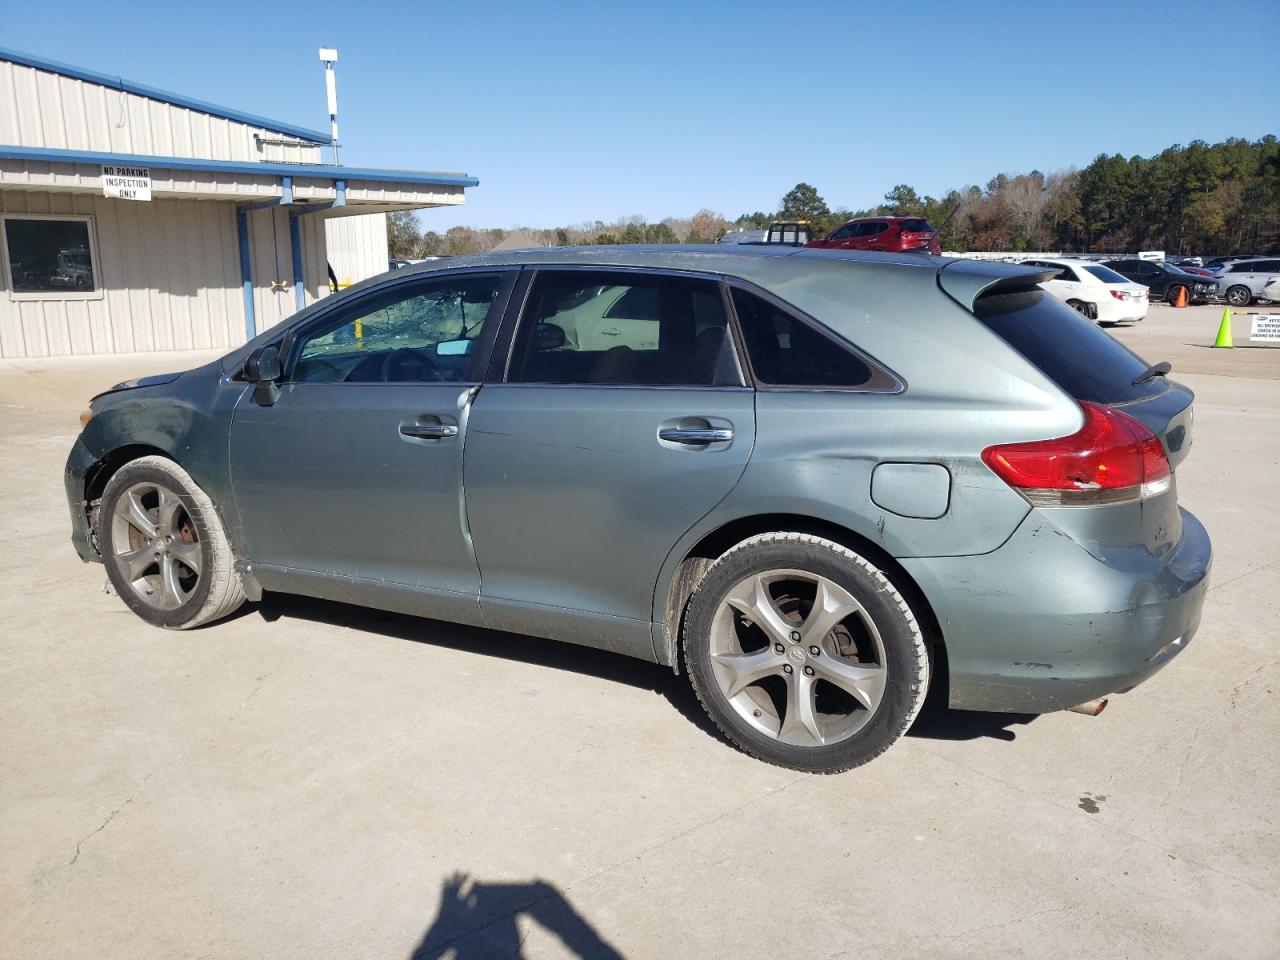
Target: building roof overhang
(164, 96)
(249, 167)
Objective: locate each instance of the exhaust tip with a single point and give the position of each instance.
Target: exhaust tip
(1090, 708)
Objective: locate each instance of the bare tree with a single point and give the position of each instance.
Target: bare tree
(1026, 197)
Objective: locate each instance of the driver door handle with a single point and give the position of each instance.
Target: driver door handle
(695, 434)
(428, 431)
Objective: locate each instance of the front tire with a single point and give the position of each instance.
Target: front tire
(164, 548)
(804, 653)
(1239, 296)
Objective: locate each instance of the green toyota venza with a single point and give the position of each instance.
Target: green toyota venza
(820, 482)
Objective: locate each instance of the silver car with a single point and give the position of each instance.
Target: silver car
(822, 483)
(1241, 282)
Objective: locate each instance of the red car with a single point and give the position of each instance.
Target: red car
(892, 234)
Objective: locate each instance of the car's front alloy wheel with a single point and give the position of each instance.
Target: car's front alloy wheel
(164, 548)
(804, 653)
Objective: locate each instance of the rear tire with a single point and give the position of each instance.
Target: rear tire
(804, 654)
(164, 548)
(1087, 310)
(1239, 296)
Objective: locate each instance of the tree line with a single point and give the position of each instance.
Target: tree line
(1217, 198)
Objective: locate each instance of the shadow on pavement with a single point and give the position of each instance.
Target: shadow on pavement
(969, 725)
(477, 920)
(556, 655)
(935, 723)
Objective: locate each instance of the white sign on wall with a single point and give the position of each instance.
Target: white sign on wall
(1156, 255)
(1265, 327)
(126, 183)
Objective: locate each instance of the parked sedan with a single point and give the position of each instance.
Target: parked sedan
(1095, 291)
(889, 234)
(1165, 281)
(1241, 282)
(819, 482)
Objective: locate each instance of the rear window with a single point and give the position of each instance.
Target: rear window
(1107, 275)
(915, 226)
(1071, 351)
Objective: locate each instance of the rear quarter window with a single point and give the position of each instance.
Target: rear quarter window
(1087, 363)
(789, 352)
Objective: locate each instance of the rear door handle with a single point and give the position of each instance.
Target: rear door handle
(426, 430)
(695, 434)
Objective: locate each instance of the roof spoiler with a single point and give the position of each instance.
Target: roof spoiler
(966, 281)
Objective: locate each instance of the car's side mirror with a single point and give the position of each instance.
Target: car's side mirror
(548, 336)
(262, 368)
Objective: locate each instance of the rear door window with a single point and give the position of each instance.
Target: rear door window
(589, 327)
(1070, 350)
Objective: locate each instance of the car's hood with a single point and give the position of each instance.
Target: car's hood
(155, 380)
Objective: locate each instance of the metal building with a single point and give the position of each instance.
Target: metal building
(137, 220)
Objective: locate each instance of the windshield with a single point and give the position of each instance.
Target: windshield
(1106, 274)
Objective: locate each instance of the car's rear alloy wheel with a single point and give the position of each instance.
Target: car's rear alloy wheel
(804, 653)
(1239, 296)
(164, 548)
(1085, 310)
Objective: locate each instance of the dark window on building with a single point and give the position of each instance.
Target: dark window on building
(47, 255)
(786, 351)
(624, 328)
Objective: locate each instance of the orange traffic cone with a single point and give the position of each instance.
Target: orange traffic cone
(1182, 297)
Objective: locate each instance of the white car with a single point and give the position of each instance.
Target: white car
(1096, 291)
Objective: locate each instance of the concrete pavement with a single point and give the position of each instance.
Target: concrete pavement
(314, 780)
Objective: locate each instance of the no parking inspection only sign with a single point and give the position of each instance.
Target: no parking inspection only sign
(126, 183)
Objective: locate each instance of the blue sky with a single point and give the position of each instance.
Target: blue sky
(572, 111)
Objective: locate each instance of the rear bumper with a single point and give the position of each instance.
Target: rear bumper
(79, 463)
(1121, 312)
(1042, 624)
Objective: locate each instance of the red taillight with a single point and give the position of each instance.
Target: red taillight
(1112, 458)
(1120, 294)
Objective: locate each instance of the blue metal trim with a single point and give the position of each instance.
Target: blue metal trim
(324, 171)
(295, 247)
(286, 189)
(246, 274)
(340, 186)
(119, 83)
